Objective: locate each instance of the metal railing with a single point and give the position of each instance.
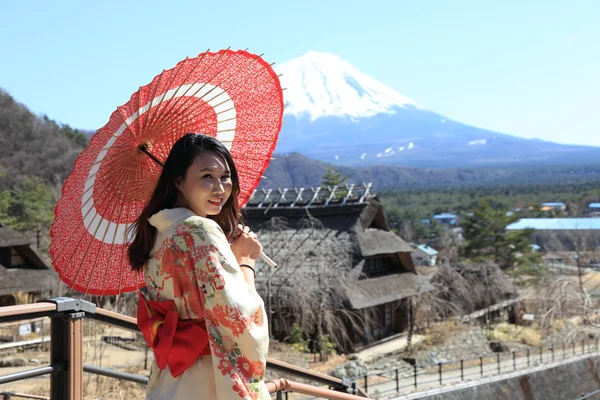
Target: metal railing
(66, 366)
(427, 376)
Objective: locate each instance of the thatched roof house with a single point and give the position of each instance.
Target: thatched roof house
(333, 241)
(22, 269)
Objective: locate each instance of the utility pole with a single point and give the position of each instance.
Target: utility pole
(578, 259)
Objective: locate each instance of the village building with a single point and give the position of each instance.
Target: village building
(594, 209)
(562, 234)
(549, 206)
(336, 253)
(447, 219)
(25, 276)
(424, 255)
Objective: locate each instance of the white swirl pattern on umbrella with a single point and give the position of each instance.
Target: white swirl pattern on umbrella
(103, 229)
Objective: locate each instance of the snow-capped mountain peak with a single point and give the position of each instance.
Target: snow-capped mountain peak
(322, 84)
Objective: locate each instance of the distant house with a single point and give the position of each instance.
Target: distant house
(424, 255)
(553, 206)
(594, 209)
(317, 236)
(553, 259)
(448, 219)
(23, 272)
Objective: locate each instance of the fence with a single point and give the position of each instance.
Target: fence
(397, 381)
(66, 366)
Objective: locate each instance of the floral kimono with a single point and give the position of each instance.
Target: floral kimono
(192, 264)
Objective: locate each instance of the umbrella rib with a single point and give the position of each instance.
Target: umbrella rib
(173, 74)
(167, 112)
(83, 219)
(249, 62)
(252, 175)
(112, 247)
(121, 263)
(151, 99)
(89, 245)
(87, 286)
(60, 275)
(165, 120)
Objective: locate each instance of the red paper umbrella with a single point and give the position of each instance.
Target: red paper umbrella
(234, 96)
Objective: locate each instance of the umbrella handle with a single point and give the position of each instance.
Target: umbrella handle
(268, 260)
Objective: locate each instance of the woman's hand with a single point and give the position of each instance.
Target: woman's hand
(246, 247)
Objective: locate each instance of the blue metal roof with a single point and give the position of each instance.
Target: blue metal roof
(556, 224)
(553, 204)
(594, 205)
(430, 251)
(444, 216)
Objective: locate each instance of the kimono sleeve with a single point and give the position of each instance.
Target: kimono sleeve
(234, 315)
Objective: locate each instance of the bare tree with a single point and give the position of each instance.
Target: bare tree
(311, 284)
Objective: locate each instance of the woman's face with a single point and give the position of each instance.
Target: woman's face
(207, 184)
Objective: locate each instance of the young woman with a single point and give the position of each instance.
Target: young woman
(201, 314)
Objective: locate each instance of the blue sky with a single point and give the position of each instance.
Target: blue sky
(525, 68)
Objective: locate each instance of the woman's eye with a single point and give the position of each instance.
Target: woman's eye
(207, 176)
(225, 177)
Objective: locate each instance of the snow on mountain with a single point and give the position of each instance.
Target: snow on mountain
(322, 84)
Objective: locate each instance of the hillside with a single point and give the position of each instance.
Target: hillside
(34, 146)
(295, 170)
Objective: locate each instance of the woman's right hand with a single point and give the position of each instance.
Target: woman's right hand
(246, 247)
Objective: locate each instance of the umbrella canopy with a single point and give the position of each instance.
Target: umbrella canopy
(234, 96)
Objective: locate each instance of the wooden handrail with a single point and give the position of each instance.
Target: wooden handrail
(110, 317)
(281, 384)
(26, 309)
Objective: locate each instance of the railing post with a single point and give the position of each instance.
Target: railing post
(552, 351)
(462, 371)
(440, 371)
(397, 382)
(541, 354)
(498, 357)
(564, 351)
(67, 356)
(366, 383)
(66, 347)
(596, 344)
(527, 358)
(415, 372)
(582, 347)
(481, 365)
(514, 361)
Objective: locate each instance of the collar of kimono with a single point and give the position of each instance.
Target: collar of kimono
(176, 343)
(163, 219)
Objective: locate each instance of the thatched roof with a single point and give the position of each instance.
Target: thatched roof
(363, 221)
(31, 280)
(34, 276)
(9, 238)
(332, 242)
(471, 287)
(384, 289)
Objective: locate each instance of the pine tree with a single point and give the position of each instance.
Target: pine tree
(487, 238)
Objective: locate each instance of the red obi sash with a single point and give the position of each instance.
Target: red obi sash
(176, 343)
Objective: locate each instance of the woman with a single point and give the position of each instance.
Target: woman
(198, 260)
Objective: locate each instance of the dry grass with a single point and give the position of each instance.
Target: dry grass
(505, 332)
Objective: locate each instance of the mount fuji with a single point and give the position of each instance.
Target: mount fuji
(336, 114)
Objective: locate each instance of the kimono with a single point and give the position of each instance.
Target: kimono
(192, 264)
